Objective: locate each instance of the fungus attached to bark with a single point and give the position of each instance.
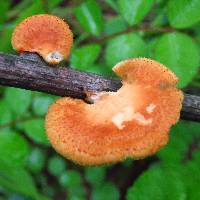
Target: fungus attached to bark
(132, 122)
(47, 35)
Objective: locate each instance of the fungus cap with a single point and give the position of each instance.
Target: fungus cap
(132, 122)
(47, 35)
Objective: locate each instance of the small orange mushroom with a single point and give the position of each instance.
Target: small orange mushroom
(47, 35)
(132, 122)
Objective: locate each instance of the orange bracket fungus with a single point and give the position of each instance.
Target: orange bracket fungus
(132, 122)
(47, 35)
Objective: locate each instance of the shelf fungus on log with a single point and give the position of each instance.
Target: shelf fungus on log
(132, 122)
(47, 35)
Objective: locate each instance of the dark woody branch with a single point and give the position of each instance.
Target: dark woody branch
(30, 72)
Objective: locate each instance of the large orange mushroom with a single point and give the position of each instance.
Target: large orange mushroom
(132, 122)
(47, 35)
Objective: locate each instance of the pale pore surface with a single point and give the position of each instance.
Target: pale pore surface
(128, 115)
(150, 108)
(119, 107)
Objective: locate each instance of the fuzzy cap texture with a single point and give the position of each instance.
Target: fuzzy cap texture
(47, 35)
(132, 122)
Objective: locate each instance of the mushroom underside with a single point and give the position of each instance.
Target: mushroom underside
(132, 122)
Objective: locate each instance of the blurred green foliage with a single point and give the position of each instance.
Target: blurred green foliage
(105, 32)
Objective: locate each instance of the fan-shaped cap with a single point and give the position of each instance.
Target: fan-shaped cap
(47, 35)
(132, 122)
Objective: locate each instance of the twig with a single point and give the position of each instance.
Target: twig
(143, 28)
(30, 72)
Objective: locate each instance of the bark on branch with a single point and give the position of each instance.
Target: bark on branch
(30, 72)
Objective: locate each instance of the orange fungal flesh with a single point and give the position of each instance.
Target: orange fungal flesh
(47, 35)
(132, 122)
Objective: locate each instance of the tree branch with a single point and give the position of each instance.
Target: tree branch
(30, 72)
(143, 28)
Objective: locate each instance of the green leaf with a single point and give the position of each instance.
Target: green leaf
(181, 135)
(82, 58)
(5, 39)
(18, 100)
(95, 175)
(16, 197)
(183, 13)
(41, 104)
(115, 25)
(134, 11)
(112, 4)
(35, 130)
(107, 191)
(180, 53)
(71, 179)
(123, 47)
(6, 115)
(4, 7)
(35, 8)
(76, 197)
(36, 160)
(14, 149)
(56, 165)
(191, 176)
(151, 45)
(49, 190)
(17, 180)
(77, 193)
(158, 183)
(19, 122)
(100, 69)
(89, 15)
(160, 19)
(196, 153)
(21, 5)
(54, 4)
